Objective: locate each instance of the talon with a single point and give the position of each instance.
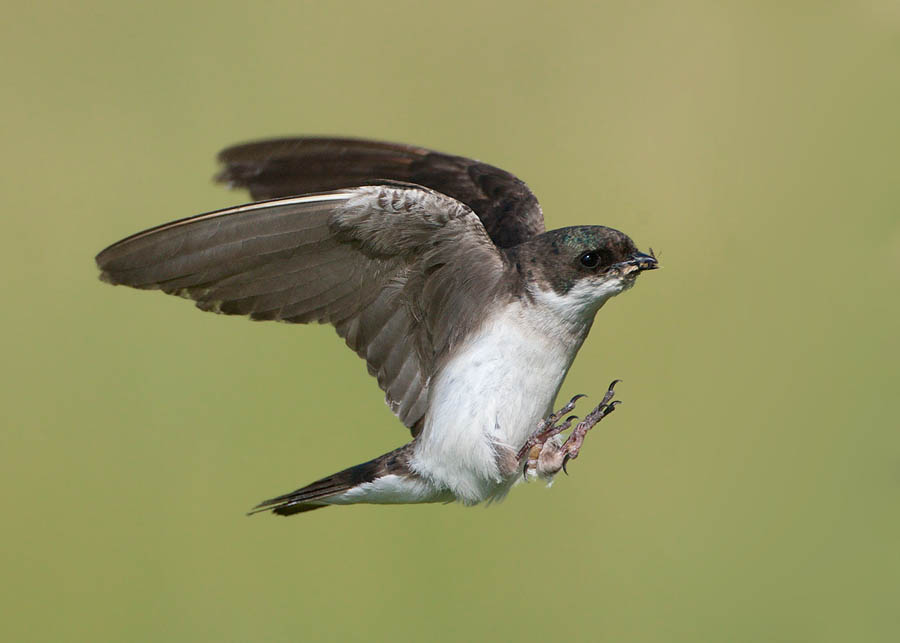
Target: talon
(611, 407)
(612, 384)
(576, 398)
(571, 418)
(565, 460)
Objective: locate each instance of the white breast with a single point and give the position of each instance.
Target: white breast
(490, 398)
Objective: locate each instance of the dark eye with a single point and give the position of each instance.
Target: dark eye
(590, 259)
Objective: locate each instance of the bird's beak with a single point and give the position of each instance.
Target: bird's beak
(644, 261)
(639, 262)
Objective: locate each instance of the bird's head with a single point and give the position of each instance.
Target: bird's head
(576, 270)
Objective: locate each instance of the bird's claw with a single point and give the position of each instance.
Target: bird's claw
(551, 457)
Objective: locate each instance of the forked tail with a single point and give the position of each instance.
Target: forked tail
(316, 495)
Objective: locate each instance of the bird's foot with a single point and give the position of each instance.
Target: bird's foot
(545, 453)
(548, 428)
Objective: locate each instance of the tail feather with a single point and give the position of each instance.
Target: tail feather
(316, 494)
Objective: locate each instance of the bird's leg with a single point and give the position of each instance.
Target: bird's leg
(547, 454)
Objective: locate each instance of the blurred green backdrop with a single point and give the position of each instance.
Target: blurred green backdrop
(747, 490)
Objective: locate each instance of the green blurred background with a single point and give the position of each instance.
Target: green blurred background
(748, 489)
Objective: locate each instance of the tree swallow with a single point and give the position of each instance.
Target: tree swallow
(436, 270)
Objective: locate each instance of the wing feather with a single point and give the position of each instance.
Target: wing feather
(377, 262)
(283, 167)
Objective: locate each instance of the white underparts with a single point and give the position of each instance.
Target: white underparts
(489, 399)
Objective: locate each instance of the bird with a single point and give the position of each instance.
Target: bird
(436, 270)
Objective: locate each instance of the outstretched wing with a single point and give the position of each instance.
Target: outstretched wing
(380, 263)
(285, 167)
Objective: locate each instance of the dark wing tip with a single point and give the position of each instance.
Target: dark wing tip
(276, 167)
(287, 147)
(102, 261)
(110, 271)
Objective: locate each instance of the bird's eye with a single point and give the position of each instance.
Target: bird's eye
(590, 259)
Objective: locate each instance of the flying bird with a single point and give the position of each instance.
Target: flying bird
(437, 271)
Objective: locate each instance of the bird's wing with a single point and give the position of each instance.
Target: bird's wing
(399, 271)
(284, 167)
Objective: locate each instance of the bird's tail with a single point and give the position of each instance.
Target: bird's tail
(317, 494)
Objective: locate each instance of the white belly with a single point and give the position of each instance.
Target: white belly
(489, 399)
